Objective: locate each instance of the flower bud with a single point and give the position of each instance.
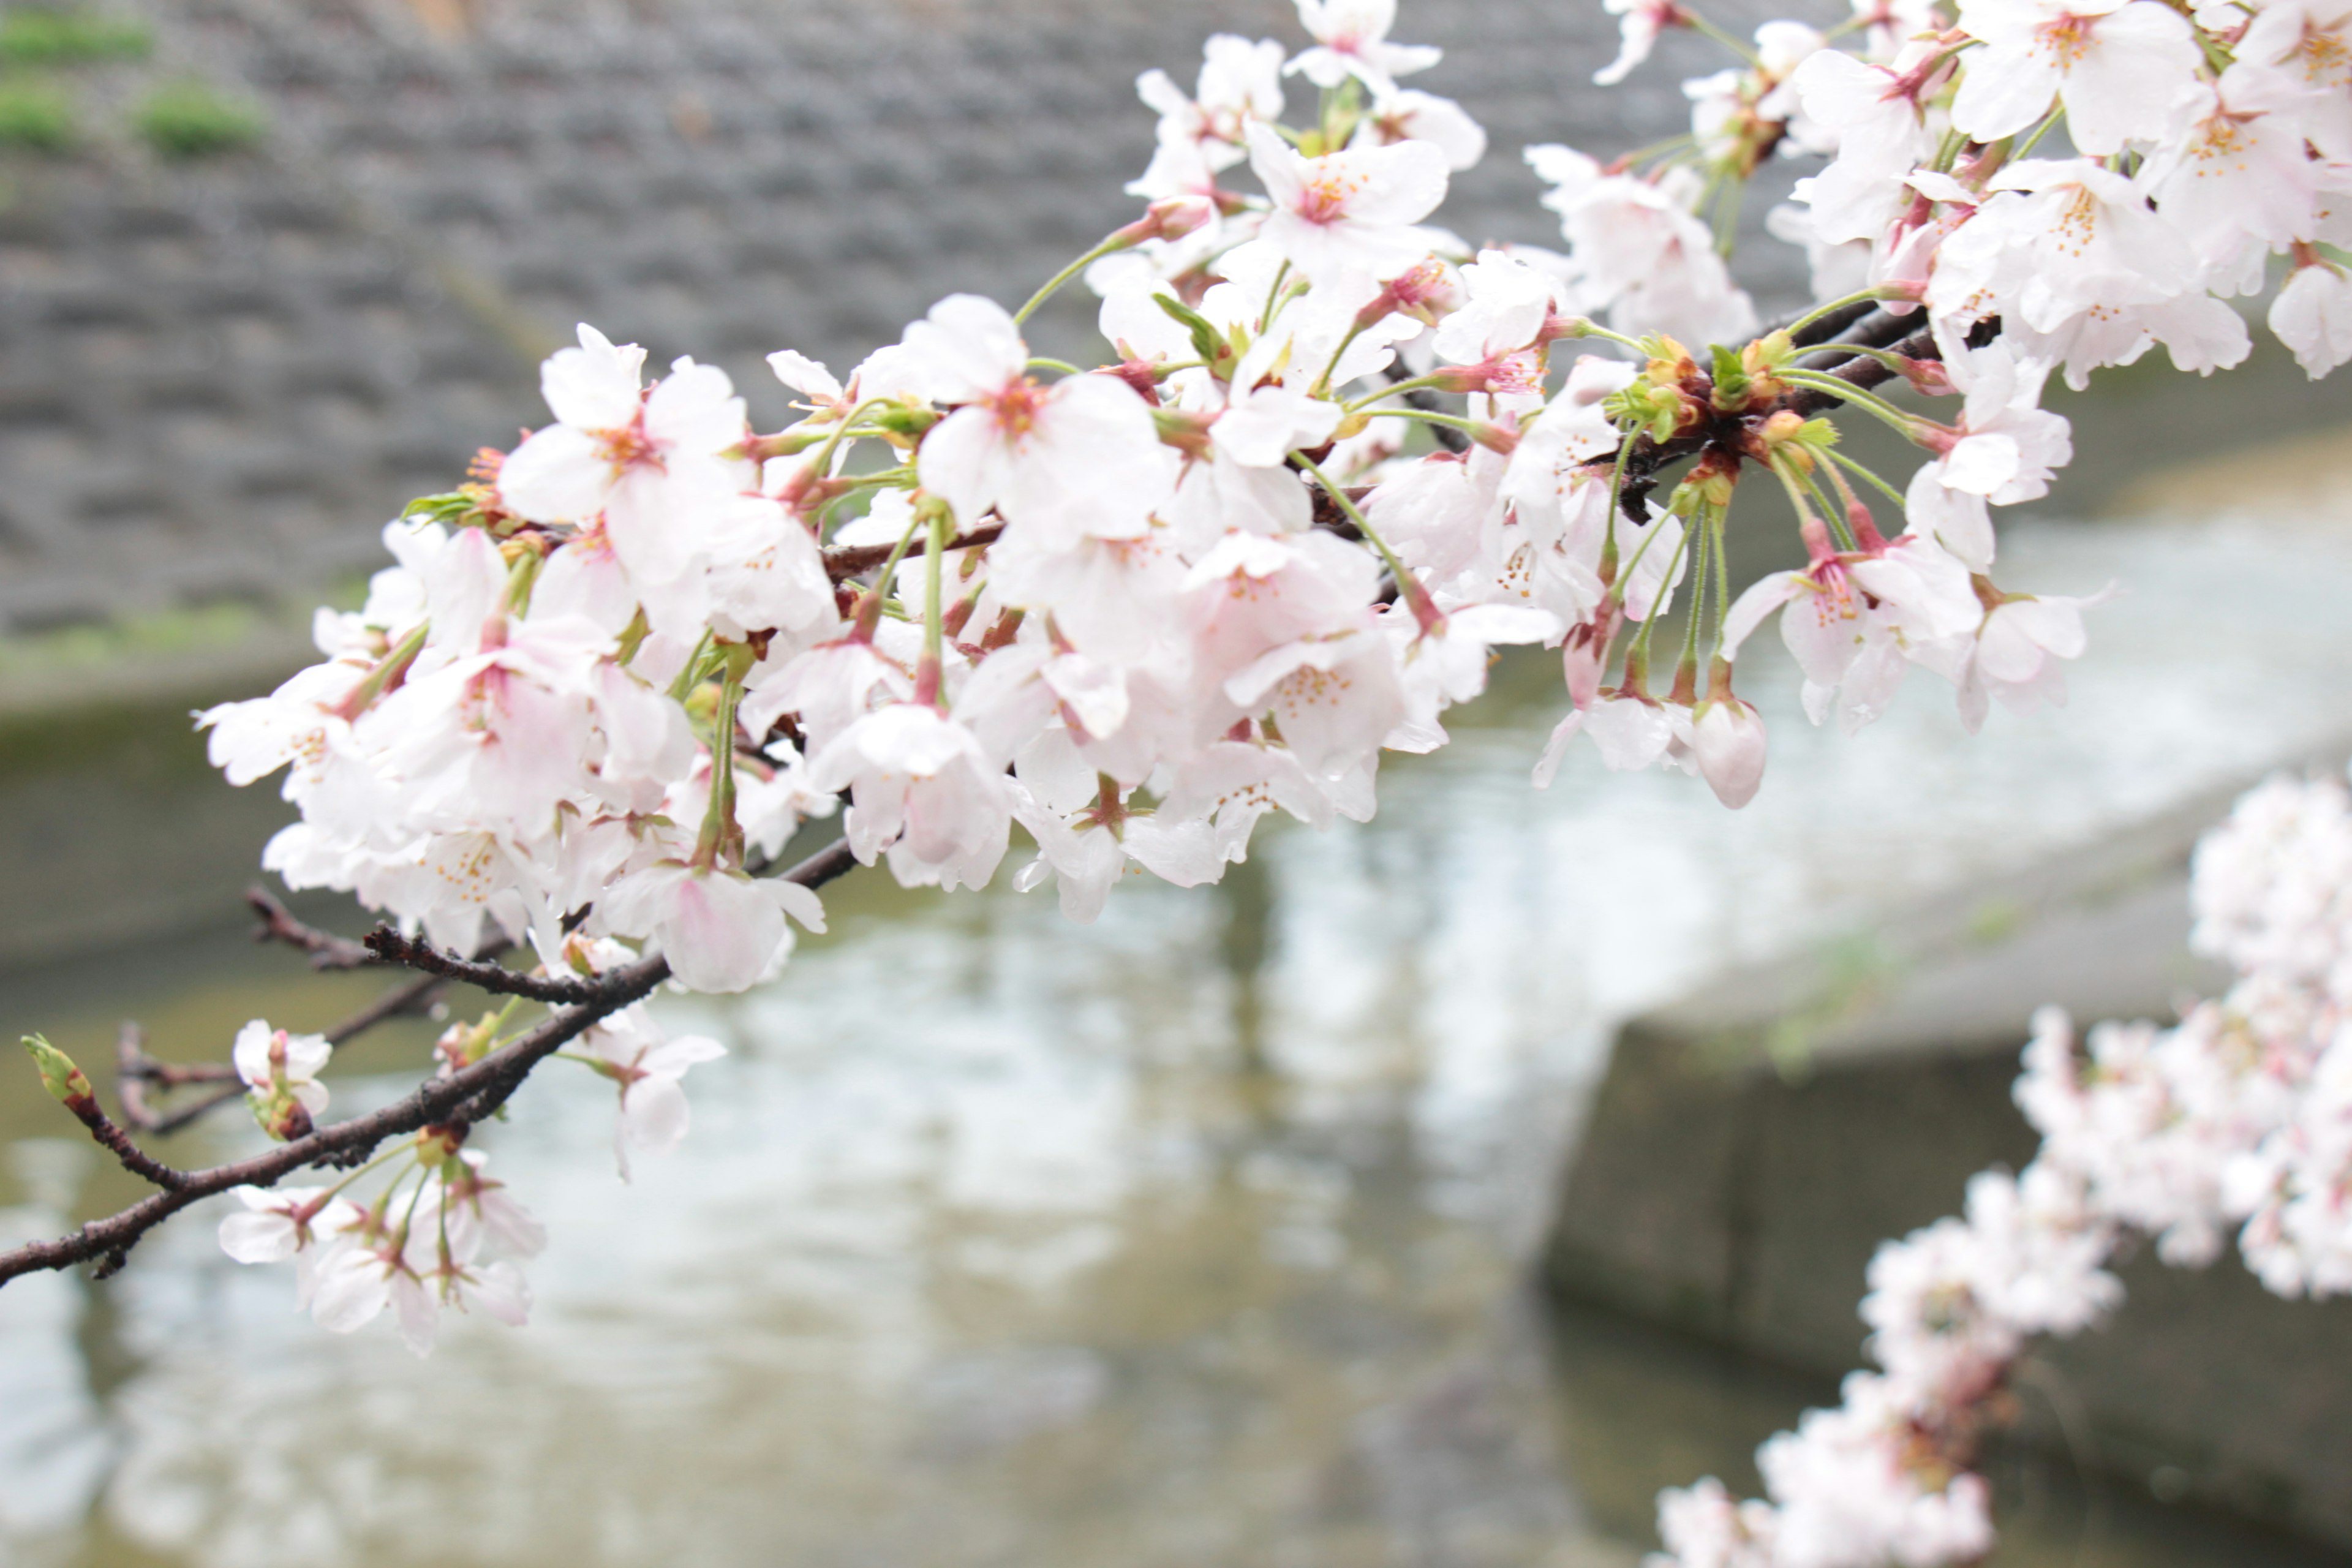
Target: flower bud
(64, 1080)
(1171, 217)
(1727, 737)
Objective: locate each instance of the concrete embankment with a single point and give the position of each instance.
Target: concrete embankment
(1753, 1144)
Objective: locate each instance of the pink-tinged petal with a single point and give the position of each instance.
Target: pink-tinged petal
(593, 387)
(804, 375)
(500, 1290)
(967, 347)
(420, 1313)
(351, 1290)
(721, 932)
(654, 1115)
(2005, 91)
(1981, 464)
(1556, 748)
(966, 461)
(557, 475)
(800, 903)
(1728, 740)
(251, 1053)
(258, 1237)
(1632, 734)
(1181, 853)
(1953, 519)
(1823, 629)
(672, 1059)
(2141, 64)
(1749, 611)
(694, 409)
(1277, 165)
(1404, 184)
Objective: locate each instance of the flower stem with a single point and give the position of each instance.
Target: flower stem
(1846, 392)
(1053, 285)
(1408, 586)
(1818, 311)
(1850, 466)
(927, 672)
(1731, 41)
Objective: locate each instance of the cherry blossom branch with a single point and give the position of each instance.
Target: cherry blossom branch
(459, 1099)
(385, 945)
(327, 950)
(416, 996)
(846, 561)
(135, 1069)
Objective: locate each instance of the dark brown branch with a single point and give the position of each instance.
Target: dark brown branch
(461, 1098)
(135, 1160)
(846, 561)
(327, 951)
(1834, 325)
(1877, 330)
(1862, 372)
(135, 1069)
(385, 945)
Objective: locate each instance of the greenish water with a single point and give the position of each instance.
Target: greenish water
(1197, 1235)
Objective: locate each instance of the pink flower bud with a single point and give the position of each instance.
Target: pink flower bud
(1171, 217)
(1728, 739)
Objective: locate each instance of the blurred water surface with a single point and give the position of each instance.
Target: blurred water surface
(1195, 1235)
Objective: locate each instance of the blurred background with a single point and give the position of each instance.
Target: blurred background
(1272, 1223)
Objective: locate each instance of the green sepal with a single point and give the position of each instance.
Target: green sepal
(64, 1080)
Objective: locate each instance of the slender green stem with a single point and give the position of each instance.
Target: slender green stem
(1643, 154)
(1886, 357)
(1846, 392)
(1731, 41)
(1640, 650)
(393, 1152)
(1039, 362)
(1418, 384)
(1850, 466)
(1818, 311)
(934, 610)
(1618, 590)
(1948, 150)
(1592, 328)
(1831, 510)
(1805, 506)
(719, 831)
(1053, 285)
(1363, 525)
(1454, 421)
(1273, 293)
(822, 466)
(2025, 148)
(1722, 579)
(1727, 215)
(690, 676)
(1323, 383)
(1704, 526)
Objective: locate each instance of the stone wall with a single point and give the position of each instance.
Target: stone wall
(217, 377)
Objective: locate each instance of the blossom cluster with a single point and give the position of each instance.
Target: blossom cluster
(2239, 1116)
(1337, 459)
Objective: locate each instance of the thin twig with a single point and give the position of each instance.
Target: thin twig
(416, 995)
(461, 1098)
(327, 950)
(846, 561)
(385, 945)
